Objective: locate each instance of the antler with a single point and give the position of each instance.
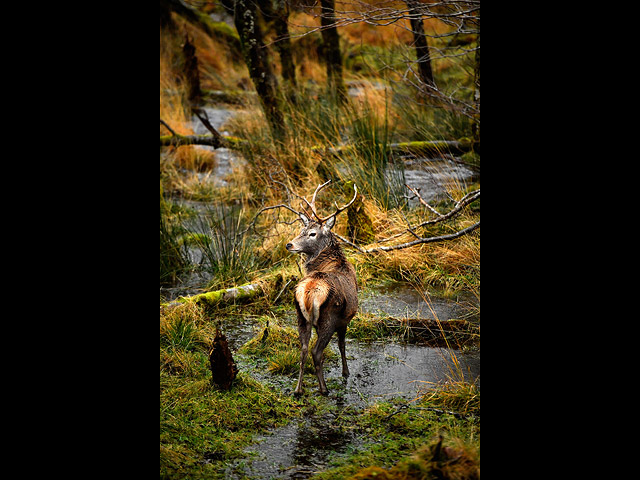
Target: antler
(338, 209)
(312, 204)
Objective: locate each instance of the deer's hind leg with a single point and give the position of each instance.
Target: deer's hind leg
(304, 333)
(324, 335)
(341, 334)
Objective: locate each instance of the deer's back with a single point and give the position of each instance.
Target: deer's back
(334, 291)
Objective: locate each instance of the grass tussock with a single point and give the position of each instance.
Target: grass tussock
(429, 461)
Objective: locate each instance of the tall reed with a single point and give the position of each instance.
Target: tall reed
(227, 248)
(369, 162)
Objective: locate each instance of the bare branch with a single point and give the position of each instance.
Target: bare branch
(168, 127)
(464, 201)
(176, 140)
(419, 241)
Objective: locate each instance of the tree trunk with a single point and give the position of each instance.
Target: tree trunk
(331, 47)
(256, 57)
(422, 47)
(475, 126)
(191, 72)
(278, 12)
(283, 44)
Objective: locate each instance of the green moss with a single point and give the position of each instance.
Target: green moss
(198, 422)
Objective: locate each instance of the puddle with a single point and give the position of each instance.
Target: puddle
(379, 371)
(298, 450)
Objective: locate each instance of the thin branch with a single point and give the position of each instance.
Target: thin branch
(342, 239)
(204, 118)
(168, 128)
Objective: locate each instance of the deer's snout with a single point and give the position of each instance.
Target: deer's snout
(289, 246)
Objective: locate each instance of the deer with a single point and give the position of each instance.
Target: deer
(326, 299)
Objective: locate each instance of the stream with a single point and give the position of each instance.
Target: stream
(380, 370)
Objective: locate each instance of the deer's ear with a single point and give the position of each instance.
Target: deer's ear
(328, 225)
(304, 219)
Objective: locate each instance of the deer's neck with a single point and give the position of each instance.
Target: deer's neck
(327, 260)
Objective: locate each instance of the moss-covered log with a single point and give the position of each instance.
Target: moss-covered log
(226, 295)
(423, 147)
(271, 286)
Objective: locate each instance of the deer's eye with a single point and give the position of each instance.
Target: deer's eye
(312, 234)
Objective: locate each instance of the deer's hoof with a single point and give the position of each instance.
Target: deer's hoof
(324, 393)
(297, 393)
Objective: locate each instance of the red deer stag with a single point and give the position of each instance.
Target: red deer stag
(327, 297)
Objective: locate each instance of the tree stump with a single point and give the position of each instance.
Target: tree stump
(223, 368)
(359, 224)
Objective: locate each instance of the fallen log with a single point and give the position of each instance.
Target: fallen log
(418, 148)
(225, 295)
(177, 140)
(269, 285)
(433, 332)
(432, 146)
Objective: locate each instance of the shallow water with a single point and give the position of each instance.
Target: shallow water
(298, 449)
(434, 177)
(403, 301)
(379, 371)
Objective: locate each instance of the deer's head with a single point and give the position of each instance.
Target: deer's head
(316, 233)
(314, 236)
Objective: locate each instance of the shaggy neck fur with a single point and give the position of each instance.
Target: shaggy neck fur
(329, 257)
